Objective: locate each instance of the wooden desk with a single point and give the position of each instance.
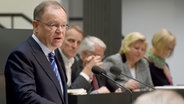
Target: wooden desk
(112, 98)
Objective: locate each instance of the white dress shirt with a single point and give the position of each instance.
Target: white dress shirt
(68, 64)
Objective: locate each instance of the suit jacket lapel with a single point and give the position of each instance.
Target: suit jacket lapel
(60, 60)
(44, 63)
(75, 70)
(61, 69)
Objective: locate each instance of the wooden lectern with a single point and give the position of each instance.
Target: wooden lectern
(111, 98)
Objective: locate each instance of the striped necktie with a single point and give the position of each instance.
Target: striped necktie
(55, 68)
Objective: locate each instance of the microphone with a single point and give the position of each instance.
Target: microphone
(99, 71)
(116, 71)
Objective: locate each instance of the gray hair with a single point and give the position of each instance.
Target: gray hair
(40, 9)
(160, 97)
(89, 42)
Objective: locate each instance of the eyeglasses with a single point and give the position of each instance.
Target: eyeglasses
(54, 26)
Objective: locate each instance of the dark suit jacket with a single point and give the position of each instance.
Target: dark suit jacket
(75, 67)
(30, 78)
(79, 81)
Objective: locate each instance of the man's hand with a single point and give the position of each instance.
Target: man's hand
(103, 89)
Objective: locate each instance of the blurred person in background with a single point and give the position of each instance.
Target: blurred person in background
(130, 60)
(68, 51)
(91, 53)
(163, 44)
(160, 97)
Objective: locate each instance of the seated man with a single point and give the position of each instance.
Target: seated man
(91, 52)
(68, 51)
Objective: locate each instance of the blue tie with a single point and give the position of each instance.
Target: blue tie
(55, 69)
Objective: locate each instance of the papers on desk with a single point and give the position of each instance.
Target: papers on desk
(80, 91)
(169, 87)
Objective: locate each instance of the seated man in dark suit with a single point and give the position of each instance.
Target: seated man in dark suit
(79, 75)
(91, 52)
(68, 51)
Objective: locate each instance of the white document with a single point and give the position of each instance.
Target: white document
(80, 91)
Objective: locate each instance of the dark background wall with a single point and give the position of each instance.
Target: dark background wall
(102, 18)
(9, 39)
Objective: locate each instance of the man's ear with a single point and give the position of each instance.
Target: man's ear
(35, 25)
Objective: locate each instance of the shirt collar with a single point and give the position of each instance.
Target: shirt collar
(65, 59)
(43, 47)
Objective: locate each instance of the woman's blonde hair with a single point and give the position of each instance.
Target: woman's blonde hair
(163, 39)
(130, 39)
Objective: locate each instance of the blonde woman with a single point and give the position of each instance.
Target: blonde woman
(131, 62)
(163, 44)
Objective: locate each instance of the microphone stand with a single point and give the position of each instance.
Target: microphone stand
(129, 91)
(98, 70)
(138, 81)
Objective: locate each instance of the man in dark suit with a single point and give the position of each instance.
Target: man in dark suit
(91, 52)
(29, 76)
(68, 51)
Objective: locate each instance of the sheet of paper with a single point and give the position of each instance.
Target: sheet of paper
(80, 91)
(169, 87)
